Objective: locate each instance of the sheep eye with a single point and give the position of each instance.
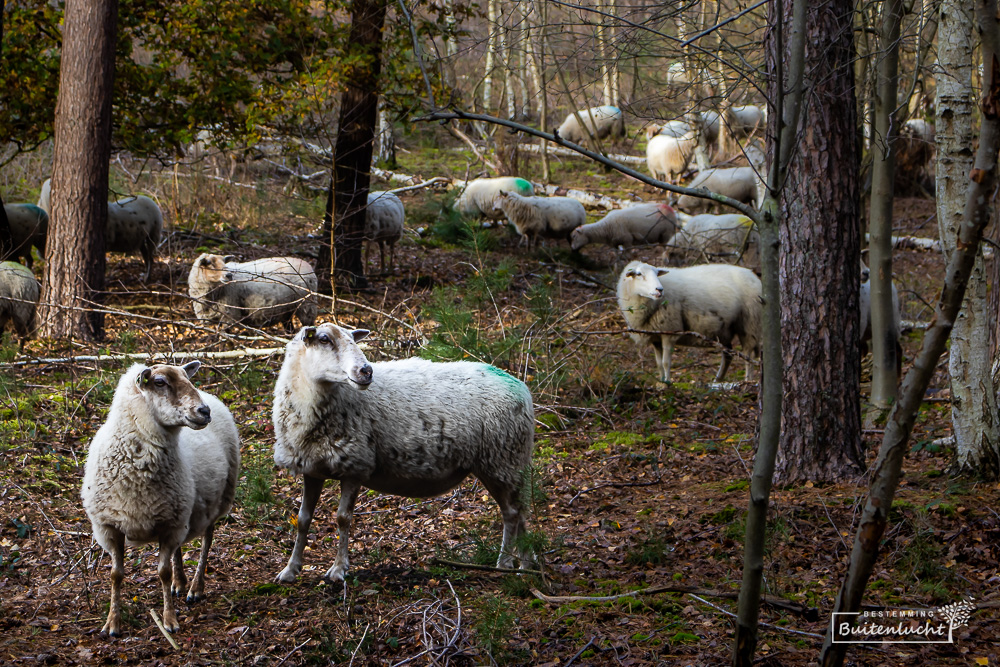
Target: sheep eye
(323, 338)
(160, 382)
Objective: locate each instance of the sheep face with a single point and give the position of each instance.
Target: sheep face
(331, 354)
(499, 200)
(212, 269)
(643, 280)
(577, 239)
(171, 398)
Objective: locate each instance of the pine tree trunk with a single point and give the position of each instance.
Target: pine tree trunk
(821, 413)
(352, 156)
(74, 253)
(973, 394)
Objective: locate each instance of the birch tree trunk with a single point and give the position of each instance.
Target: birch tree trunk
(491, 49)
(973, 394)
(386, 157)
(538, 66)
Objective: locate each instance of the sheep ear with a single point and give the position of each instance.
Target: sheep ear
(206, 261)
(662, 272)
(308, 333)
(191, 368)
(143, 377)
(360, 334)
(229, 258)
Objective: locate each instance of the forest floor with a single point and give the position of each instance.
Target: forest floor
(636, 484)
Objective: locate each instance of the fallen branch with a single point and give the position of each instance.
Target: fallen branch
(763, 625)
(614, 485)
(158, 356)
(565, 152)
(485, 568)
(159, 624)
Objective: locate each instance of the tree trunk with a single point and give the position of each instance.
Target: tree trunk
(74, 266)
(538, 66)
(821, 413)
(884, 378)
(491, 50)
(386, 158)
(973, 394)
(352, 156)
(6, 237)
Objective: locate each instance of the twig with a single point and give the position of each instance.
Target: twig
(616, 485)
(159, 624)
(358, 647)
(580, 652)
(285, 659)
(485, 568)
(766, 625)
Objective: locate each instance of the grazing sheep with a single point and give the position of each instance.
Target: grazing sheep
(412, 428)
(667, 157)
(479, 196)
(672, 128)
(29, 226)
(19, 294)
(746, 120)
(149, 479)
(135, 224)
(258, 293)
(600, 122)
(384, 224)
(638, 224)
(709, 236)
(866, 320)
(550, 217)
(739, 183)
(692, 306)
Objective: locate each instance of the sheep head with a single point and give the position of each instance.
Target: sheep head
(212, 269)
(642, 280)
(171, 398)
(330, 353)
(577, 239)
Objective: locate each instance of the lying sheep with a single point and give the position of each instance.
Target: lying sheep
(29, 226)
(866, 320)
(384, 224)
(692, 306)
(149, 479)
(257, 293)
(667, 157)
(19, 294)
(600, 122)
(534, 217)
(135, 224)
(412, 428)
(479, 197)
(707, 237)
(638, 224)
(739, 183)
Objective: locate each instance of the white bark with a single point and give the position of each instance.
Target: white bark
(491, 49)
(973, 395)
(386, 139)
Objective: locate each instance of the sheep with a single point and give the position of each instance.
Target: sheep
(384, 224)
(478, 198)
(895, 326)
(669, 156)
(550, 217)
(19, 294)
(257, 293)
(711, 236)
(149, 479)
(738, 183)
(29, 226)
(746, 120)
(638, 224)
(411, 427)
(692, 306)
(135, 224)
(600, 122)
(672, 128)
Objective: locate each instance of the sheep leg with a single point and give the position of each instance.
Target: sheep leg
(167, 551)
(668, 352)
(381, 257)
(513, 524)
(727, 357)
(179, 578)
(148, 249)
(348, 497)
(197, 590)
(117, 553)
(311, 489)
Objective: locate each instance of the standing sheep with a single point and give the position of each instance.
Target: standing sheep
(667, 157)
(866, 320)
(638, 224)
(479, 197)
(258, 293)
(707, 237)
(29, 226)
(692, 307)
(412, 428)
(549, 217)
(599, 122)
(19, 294)
(384, 224)
(746, 120)
(135, 224)
(150, 479)
(739, 183)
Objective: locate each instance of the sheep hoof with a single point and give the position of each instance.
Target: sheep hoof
(111, 632)
(335, 574)
(193, 597)
(286, 576)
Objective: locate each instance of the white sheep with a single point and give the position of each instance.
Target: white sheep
(411, 428)
(746, 120)
(150, 479)
(135, 224)
(639, 224)
(600, 122)
(672, 128)
(667, 157)
(739, 183)
(258, 293)
(19, 294)
(895, 328)
(384, 224)
(708, 237)
(693, 307)
(29, 226)
(479, 197)
(534, 217)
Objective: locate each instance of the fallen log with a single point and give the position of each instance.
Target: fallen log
(565, 152)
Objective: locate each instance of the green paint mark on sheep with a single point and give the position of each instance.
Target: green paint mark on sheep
(503, 375)
(524, 187)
